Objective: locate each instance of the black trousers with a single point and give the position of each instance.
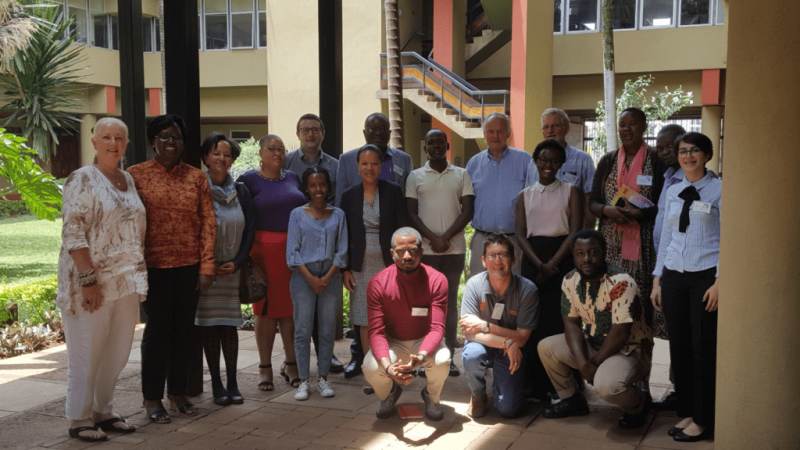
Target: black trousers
(356, 351)
(692, 342)
(170, 332)
(550, 320)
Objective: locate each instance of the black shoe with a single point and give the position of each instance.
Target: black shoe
(353, 369)
(454, 370)
(421, 372)
(369, 390)
(683, 437)
(234, 394)
(573, 406)
(221, 396)
(336, 366)
(633, 421)
(670, 403)
(673, 431)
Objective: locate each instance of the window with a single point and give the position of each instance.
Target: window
(241, 23)
(720, 14)
(216, 21)
(240, 136)
(583, 15)
(695, 12)
(623, 14)
(557, 16)
(157, 32)
(114, 32)
(77, 11)
(100, 28)
(262, 23)
(147, 35)
(657, 13)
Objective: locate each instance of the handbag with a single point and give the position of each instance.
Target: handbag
(252, 283)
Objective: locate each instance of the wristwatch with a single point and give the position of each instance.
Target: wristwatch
(422, 357)
(485, 329)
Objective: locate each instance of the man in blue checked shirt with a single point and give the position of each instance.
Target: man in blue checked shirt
(577, 170)
(498, 175)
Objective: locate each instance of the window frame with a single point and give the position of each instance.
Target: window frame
(253, 25)
(711, 8)
(719, 4)
(563, 13)
(227, 15)
(637, 7)
(565, 20)
(642, 26)
(257, 40)
(87, 21)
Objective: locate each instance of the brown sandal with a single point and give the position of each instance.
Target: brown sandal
(295, 382)
(265, 385)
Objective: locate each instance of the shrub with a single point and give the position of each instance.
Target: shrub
(248, 159)
(9, 208)
(34, 300)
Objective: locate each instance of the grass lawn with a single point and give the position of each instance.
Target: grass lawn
(28, 249)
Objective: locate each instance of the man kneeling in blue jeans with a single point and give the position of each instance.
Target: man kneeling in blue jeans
(499, 309)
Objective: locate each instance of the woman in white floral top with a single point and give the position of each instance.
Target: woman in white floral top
(102, 277)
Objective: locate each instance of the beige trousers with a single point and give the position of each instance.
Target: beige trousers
(436, 368)
(613, 382)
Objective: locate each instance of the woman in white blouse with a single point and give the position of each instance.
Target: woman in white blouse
(102, 277)
(547, 214)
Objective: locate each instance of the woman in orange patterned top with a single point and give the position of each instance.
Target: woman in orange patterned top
(179, 252)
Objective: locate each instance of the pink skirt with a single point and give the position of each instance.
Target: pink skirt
(269, 253)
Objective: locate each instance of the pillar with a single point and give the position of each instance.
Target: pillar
(293, 59)
(711, 117)
(449, 42)
(531, 69)
(88, 121)
(758, 396)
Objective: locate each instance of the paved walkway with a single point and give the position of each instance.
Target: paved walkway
(33, 389)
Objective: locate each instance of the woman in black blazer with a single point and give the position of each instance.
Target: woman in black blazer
(374, 209)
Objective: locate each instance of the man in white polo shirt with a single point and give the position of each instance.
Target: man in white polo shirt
(440, 204)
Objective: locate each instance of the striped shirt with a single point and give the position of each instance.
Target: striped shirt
(577, 170)
(698, 248)
(547, 209)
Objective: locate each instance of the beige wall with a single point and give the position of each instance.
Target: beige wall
(293, 84)
(243, 67)
(362, 38)
(758, 396)
(257, 130)
(235, 102)
(88, 121)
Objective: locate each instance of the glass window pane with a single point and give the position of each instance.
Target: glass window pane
(115, 32)
(557, 17)
(241, 30)
(657, 13)
(216, 32)
(262, 29)
(262, 5)
(79, 22)
(582, 15)
(695, 12)
(100, 30)
(720, 12)
(147, 35)
(158, 36)
(199, 33)
(216, 6)
(241, 5)
(97, 5)
(623, 14)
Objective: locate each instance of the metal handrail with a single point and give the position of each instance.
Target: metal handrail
(426, 65)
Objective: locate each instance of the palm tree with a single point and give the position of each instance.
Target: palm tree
(608, 77)
(43, 88)
(15, 31)
(394, 73)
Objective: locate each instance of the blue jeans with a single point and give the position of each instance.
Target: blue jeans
(507, 388)
(306, 305)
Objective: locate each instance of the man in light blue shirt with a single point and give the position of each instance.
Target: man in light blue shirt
(577, 170)
(498, 175)
(311, 133)
(396, 163)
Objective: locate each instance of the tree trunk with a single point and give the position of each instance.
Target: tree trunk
(163, 61)
(608, 77)
(394, 74)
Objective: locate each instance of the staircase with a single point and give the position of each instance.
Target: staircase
(483, 46)
(444, 96)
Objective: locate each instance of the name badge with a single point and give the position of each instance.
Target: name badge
(231, 197)
(497, 314)
(644, 180)
(398, 170)
(419, 312)
(702, 207)
(569, 178)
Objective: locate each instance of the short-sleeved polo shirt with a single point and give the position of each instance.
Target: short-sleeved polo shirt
(521, 302)
(439, 198)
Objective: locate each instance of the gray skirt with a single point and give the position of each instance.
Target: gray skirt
(373, 263)
(219, 304)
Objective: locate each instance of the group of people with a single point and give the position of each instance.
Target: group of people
(549, 302)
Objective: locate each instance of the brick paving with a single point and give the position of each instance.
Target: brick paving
(33, 389)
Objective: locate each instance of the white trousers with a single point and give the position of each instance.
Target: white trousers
(98, 346)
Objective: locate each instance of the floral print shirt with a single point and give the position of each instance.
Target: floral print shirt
(600, 304)
(181, 224)
(111, 224)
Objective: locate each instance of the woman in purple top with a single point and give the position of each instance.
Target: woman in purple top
(276, 192)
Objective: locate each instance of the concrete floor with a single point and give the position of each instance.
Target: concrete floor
(33, 390)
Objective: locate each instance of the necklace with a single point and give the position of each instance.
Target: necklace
(283, 175)
(114, 179)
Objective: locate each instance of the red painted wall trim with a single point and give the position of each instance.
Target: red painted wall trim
(713, 87)
(443, 33)
(155, 102)
(519, 21)
(111, 100)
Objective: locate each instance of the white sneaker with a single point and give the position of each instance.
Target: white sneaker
(324, 389)
(302, 391)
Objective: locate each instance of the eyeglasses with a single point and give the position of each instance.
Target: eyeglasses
(501, 256)
(275, 150)
(692, 151)
(547, 161)
(167, 137)
(315, 130)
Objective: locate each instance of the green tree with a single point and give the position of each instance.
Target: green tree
(43, 87)
(15, 31)
(661, 106)
(38, 189)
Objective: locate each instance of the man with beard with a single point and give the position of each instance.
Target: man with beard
(406, 306)
(614, 354)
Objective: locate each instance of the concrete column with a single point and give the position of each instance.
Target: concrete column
(88, 121)
(711, 117)
(758, 396)
(531, 69)
(293, 59)
(449, 42)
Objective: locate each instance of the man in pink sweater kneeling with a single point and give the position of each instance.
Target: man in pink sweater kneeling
(406, 307)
